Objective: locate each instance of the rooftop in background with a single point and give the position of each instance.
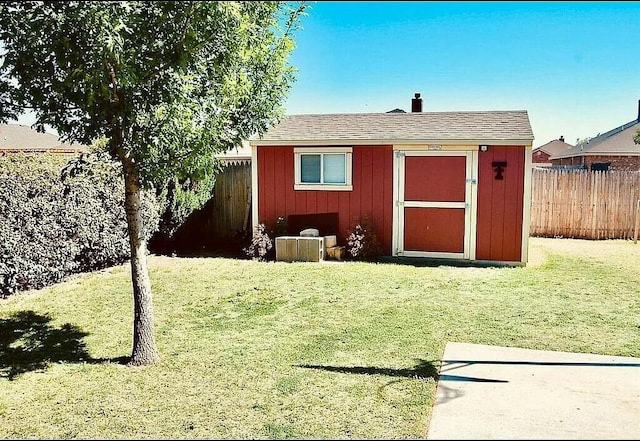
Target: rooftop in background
(18, 138)
(554, 147)
(618, 141)
(382, 128)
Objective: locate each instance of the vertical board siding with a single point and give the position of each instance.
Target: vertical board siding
(281, 202)
(366, 179)
(500, 205)
(514, 203)
(387, 184)
(378, 201)
(370, 199)
(584, 204)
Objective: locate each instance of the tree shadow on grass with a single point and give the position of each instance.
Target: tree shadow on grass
(29, 342)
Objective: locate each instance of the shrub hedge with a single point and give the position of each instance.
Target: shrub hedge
(58, 218)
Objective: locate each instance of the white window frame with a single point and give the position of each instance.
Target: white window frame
(299, 185)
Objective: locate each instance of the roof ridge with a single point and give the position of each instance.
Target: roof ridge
(406, 113)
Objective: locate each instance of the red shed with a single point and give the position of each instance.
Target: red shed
(433, 184)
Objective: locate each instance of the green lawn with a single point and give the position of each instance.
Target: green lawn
(304, 350)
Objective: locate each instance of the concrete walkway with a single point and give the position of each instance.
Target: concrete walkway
(490, 392)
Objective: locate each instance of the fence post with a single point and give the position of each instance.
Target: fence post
(594, 204)
(637, 219)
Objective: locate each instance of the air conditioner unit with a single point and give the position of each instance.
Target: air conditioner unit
(299, 249)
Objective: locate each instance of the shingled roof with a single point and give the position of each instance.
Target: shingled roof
(616, 142)
(554, 147)
(490, 127)
(22, 138)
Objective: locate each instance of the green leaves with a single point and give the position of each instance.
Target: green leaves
(168, 83)
(57, 223)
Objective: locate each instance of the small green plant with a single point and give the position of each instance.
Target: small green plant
(260, 244)
(362, 243)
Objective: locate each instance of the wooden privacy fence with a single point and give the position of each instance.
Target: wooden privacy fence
(231, 207)
(585, 204)
(220, 222)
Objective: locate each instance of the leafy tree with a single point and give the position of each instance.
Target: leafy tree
(166, 83)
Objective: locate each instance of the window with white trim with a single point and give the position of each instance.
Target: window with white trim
(323, 168)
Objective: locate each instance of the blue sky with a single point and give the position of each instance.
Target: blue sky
(574, 66)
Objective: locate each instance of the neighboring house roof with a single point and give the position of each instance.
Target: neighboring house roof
(554, 147)
(236, 156)
(16, 138)
(616, 142)
(495, 127)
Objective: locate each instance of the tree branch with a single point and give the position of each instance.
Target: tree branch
(113, 79)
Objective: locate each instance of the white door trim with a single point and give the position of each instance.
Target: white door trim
(254, 188)
(398, 212)
(420, 204)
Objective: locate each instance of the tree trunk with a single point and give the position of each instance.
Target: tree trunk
(144, 344)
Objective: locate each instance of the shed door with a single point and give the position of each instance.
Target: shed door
(435, 204)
